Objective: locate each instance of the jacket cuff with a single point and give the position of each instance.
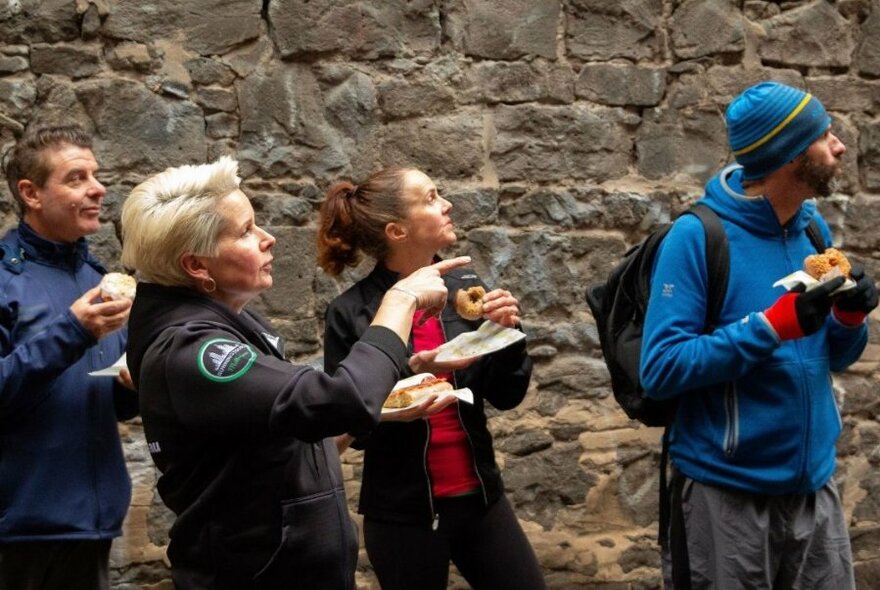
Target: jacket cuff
(849, 318)
(388, 342)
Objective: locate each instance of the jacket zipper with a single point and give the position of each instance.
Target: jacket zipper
(435, 518)
(731, 410)
(805, 395)
(466, 433)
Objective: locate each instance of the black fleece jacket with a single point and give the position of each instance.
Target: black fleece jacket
(396, 484)
(240, 436)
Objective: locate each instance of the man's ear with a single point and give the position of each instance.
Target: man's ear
(395, 232)
(194, 266)
(28, 191)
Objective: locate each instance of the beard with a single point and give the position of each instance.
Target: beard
(819, 177)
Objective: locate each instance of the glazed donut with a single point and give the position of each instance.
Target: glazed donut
(819, 264)
(469, 303)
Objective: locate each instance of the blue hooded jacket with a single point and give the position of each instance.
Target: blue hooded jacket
(62, 471)
(770, 423)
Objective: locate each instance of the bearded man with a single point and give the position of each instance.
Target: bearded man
(753, 503)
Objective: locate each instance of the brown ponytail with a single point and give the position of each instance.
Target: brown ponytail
(353, 219)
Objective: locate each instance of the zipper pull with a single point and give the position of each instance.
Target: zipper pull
(436, 524)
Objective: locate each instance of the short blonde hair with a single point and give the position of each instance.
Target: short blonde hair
(174, 213)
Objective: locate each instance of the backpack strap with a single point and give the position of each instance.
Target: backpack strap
(815, 235)
(718, 269)
(717, 262)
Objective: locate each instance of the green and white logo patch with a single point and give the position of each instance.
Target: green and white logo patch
(224, 360)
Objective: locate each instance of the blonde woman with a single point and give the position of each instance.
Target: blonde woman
(237, 431)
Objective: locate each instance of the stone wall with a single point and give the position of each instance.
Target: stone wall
(562, 131)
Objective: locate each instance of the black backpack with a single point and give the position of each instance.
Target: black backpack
(620, 303)
(619, 306)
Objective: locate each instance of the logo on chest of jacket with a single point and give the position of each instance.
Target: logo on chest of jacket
(224, 360)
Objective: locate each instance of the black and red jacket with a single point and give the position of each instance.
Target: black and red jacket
(396, 485)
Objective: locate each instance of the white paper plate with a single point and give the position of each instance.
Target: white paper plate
(800, 276)
(489, 337)
(113, 370)
(464, 394)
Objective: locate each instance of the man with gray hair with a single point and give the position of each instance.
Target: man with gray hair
(64, 488)
(753, 502)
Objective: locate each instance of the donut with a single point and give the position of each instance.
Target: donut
(116, 285)
(817, 265)
(469, 303)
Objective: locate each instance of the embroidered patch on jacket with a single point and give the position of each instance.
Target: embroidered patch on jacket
(224, 360)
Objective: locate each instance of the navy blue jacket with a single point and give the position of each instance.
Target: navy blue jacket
(62, 471)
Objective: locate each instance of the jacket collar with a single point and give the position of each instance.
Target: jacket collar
(726, 196)
(60, 254)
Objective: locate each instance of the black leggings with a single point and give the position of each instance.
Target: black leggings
(487, 545)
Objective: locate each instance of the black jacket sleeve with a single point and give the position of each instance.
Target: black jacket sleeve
(265, 394)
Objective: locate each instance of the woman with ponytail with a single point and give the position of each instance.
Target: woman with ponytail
(431, 491)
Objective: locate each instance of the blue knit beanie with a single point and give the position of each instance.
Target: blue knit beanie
(770, 124)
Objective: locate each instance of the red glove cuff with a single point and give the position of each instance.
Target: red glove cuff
(783, 317)
(848, 318)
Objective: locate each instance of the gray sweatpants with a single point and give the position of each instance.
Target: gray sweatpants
(730, 540)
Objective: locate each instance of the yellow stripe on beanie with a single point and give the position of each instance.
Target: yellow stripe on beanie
(775, 131)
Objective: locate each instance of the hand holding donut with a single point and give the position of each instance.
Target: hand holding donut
(501, 307)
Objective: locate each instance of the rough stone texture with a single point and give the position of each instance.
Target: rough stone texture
(600, 30)
(355, 28)
(205, 28)
(701, 28)
(562, 132)
(814, 35)
(503, 30)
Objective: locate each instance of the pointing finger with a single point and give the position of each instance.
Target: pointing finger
(445, 266)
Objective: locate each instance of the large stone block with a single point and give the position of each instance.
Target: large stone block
(165, 132)
(404, 97)
(541, 143)
(547, 272)
(74, 61)
(513, 82)
(699, 28)
(845, 93)
(542, 483)
(815, 34)
(503, 30)
(691, 142)
(869, 154)
(17, 97)
(284, 131)
(442, 147)
(473, 208)
(868, 54)
(293, 271)
(356, 28)
(602, 30)
(206, 28)
(621, 85)
(34, 21)
(862, 221)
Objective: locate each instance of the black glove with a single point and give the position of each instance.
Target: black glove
(853, 305)
(799, 312)
(863, 297)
